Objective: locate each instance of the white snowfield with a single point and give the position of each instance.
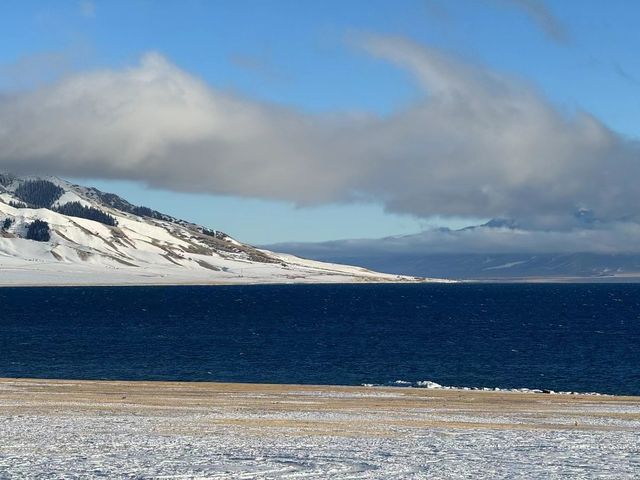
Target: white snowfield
(72, 429)
(144, 250)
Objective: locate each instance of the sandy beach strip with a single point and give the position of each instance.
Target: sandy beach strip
(225, 430)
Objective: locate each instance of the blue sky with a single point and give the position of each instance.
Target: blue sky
(580, 55)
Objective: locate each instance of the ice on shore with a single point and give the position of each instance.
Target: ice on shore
(428, 384)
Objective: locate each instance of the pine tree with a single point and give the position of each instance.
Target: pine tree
(38, 230)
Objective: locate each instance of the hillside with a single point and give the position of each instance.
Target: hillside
(53, 232)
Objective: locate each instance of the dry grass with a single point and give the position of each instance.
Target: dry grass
(316, 410)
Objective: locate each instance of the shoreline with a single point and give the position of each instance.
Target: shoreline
(398, 385)
(221, 283)
(632, 280)
(41, 388)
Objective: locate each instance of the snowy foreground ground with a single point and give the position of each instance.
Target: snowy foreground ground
(69, 429)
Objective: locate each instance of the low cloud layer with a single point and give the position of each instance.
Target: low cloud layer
(478, 144)
(490, 253)
(615, 238)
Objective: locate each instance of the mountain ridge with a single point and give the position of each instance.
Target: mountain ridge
(94, 237)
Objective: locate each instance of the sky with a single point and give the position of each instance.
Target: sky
(310, 121)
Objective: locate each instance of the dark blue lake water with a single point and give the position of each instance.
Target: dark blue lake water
(560, 337)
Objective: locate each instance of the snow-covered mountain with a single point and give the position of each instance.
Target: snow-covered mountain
(55, 233)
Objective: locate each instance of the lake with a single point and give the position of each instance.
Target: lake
(567, 337)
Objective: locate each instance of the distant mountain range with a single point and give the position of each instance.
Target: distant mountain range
(416, 255)
(54, 232)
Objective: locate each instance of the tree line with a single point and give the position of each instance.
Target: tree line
(38, 193)
(76, 209)
(43, 194)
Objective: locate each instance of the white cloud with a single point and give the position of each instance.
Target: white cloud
(542, 17)
(478, 144)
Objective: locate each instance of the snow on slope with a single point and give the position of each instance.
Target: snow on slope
(149, 249)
